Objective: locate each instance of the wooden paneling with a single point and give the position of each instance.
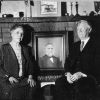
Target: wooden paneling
(38, 24)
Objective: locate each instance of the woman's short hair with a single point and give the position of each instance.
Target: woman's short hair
(16, 26)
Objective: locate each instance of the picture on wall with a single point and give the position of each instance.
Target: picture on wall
(48, 7)
(50, 51)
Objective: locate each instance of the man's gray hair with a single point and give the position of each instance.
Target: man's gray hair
(86, 24)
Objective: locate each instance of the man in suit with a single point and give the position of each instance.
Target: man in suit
(79, 81)
(49, 60)
(17, 79)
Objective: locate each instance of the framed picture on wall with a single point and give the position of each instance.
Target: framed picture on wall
(50, 51)
(48, 7)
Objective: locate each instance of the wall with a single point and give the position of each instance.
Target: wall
(14, 7)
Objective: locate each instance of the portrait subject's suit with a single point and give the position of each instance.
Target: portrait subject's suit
(49, 62)
(80, 61)
(9, 67)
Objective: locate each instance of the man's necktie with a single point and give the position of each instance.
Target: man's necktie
(82, 45)
(51, 59)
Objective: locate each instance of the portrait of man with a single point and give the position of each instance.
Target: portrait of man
(50, 55)
(49, 60)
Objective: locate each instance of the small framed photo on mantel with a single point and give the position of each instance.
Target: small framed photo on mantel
(48, 7)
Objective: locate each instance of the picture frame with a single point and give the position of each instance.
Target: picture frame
(58, 41)
(48, 8)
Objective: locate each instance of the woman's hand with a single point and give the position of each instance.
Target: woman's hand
(13, 80)
(31, 82)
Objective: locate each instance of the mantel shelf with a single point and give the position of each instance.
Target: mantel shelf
(47, 19)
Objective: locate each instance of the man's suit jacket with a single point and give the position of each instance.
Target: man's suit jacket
(86, 61)
(45, 62)
(9, 63)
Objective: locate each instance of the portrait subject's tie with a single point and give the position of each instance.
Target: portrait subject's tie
(51, 59)
(82, 45)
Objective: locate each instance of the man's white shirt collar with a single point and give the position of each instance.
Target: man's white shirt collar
(85, 41)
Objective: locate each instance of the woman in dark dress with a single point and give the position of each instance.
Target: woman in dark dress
(16, 68)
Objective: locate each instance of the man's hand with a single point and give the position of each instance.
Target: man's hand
(78, 75)
(69, 75)
(31, 82)
(13, 80)
(72, 78)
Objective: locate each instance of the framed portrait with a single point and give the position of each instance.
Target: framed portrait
(56, 43)
(48, 7)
